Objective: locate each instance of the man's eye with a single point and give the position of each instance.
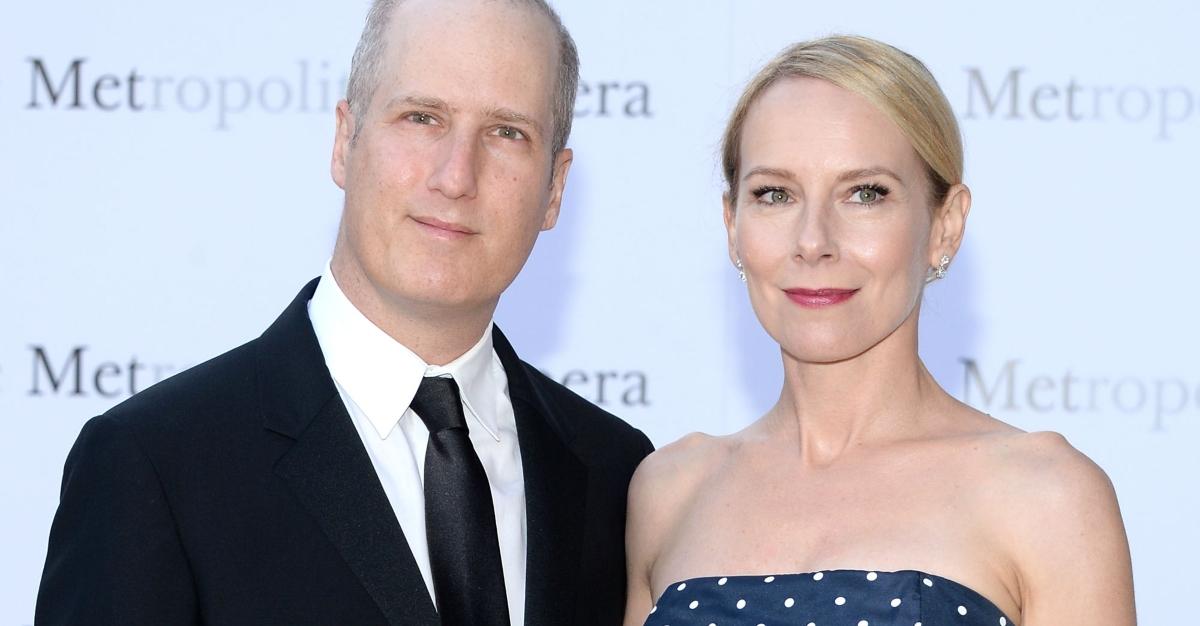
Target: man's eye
(508, 132)
(420, 118)
(772, 195)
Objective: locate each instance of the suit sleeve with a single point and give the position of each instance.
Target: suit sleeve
(114, 556)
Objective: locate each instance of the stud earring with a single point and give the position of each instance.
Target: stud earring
(939, 272)
(740, 269)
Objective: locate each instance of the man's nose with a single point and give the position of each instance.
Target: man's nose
(455, 174)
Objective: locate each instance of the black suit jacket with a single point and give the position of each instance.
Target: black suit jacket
(238, 492)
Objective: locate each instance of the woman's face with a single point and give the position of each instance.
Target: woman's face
(832, 221)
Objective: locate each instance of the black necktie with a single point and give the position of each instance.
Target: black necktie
(460, 522)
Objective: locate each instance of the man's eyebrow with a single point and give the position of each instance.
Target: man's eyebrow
(513, 117)
(428, 102)
(502, 114)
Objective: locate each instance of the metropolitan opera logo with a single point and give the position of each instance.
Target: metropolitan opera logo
(78, 371)
(308, 86)
(1023, 94)
(1012, 386)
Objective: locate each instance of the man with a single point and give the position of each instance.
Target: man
(379, 455)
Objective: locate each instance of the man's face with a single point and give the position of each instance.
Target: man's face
(451, 177)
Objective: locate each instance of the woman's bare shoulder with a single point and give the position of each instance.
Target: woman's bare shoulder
(1057, 504)
(1042, 464)
(662, 488)
(1055, 511)
(675, 469)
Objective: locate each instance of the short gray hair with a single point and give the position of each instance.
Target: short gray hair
(366, 66)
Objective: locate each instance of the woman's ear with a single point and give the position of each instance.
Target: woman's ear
(949, 223)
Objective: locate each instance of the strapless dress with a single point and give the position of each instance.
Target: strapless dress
(830, 598)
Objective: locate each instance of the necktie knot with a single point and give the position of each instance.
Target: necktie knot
(439, 404)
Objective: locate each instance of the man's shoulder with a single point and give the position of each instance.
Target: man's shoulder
(198, 398)
(588, 425)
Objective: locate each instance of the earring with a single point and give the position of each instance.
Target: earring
(740, 269)
(939, 272)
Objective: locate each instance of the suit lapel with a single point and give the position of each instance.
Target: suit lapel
(555, 497)
(329, 471)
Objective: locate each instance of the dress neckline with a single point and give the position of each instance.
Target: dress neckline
(927, 579)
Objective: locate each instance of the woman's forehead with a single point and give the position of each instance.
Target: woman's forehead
(809, 125)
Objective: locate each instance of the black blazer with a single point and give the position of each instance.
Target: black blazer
(238, 492)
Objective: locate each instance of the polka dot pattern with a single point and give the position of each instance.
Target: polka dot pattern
(828, 598)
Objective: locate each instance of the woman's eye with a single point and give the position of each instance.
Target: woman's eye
(867, 195)
(772, 195)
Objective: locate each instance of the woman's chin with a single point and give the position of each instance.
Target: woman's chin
(822, 351)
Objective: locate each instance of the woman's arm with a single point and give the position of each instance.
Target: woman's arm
(658, 495)
(1071, 551)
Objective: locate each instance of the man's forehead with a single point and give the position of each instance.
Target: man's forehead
(414, 17)
(493, 54)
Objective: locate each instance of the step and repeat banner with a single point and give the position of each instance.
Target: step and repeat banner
(165, 190)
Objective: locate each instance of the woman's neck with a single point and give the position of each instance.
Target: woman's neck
(827, 410)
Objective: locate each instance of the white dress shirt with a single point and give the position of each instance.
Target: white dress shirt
(377, 378)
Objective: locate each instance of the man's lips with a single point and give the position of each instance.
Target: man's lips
(443, 227)
(816, 298)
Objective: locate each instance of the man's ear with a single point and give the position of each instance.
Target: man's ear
(558, 183)
(342, 138)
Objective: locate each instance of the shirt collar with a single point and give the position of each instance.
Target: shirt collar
(381, 375)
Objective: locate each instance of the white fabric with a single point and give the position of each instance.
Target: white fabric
(377, 378)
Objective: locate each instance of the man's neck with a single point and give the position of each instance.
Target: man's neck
(437, 334)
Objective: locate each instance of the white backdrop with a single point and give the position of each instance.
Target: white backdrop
(164, 197)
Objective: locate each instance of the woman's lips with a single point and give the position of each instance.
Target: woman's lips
(817, 298)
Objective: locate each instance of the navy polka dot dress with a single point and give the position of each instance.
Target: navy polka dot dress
(833, 598)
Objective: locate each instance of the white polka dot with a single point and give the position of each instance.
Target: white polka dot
(962, 610)
(789, 603)
(1003, 622)
(694, 604)
(712, 624)
(809, 624)
(681, 587)
(917, 624)
(741, 604)
(895, 602)
(872, 576)
(928, 583)
(839, 601)
(863, 622)
(722, 581)
(818, 575)
(769, 579)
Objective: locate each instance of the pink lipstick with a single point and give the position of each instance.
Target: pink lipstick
(817, 298)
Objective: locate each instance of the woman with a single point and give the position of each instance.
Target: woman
(867, 495)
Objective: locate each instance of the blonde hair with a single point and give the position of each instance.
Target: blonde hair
(889, 78)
